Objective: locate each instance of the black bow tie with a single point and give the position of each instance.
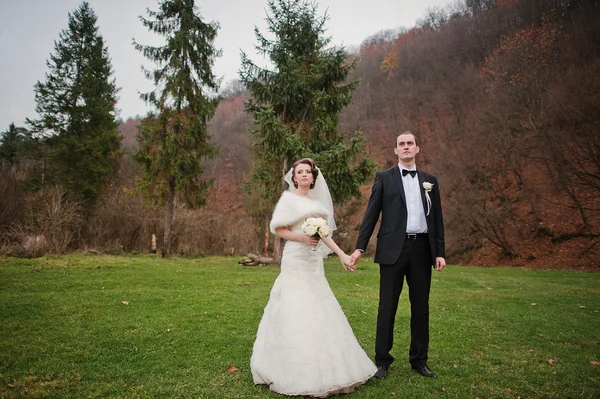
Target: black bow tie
(406, 171)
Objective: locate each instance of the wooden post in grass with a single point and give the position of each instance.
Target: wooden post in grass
(153, 245)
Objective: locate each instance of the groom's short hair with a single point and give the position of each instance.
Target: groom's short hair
(407, 132)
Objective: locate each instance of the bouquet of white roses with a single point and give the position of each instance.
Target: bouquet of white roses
(315, 227)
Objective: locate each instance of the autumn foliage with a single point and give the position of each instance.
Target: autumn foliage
(504, 99)
(501, 98)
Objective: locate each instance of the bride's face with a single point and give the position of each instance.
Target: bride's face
(303, 175)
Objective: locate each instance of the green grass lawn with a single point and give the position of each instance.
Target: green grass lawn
(66, 332)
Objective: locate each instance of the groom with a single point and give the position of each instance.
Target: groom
(409, 242)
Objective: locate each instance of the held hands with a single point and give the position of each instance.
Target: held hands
(347, 262)
(356, 257)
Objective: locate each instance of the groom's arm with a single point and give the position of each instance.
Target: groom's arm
(440, 246)
(371, 214)
(438, 220)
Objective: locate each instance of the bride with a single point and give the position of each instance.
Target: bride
(304, 344)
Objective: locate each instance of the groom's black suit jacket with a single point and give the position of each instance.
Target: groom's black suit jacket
(389, 200)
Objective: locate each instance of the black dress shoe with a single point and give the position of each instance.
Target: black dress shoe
(425, 371)
(381, 372)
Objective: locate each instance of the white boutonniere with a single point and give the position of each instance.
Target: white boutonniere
(427, 187)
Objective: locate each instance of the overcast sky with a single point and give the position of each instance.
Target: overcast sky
(28, 29)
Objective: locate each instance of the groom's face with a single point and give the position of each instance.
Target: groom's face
(406, 147)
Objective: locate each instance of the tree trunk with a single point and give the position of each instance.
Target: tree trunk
(278, 246)
(266, 244)
(166, 251)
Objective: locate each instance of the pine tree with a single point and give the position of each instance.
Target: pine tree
(77, 110)
(296, 105)
(12, 145)
(175, 139)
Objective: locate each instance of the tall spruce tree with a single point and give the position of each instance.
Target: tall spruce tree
(12, 145)
(77, 109)
(175, 140)
(297, 104)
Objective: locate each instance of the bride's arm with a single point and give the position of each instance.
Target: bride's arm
(345, 259)
(287, 234)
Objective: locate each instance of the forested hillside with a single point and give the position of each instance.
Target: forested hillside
(504, 97)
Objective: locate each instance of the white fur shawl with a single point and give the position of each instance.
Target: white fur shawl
(291, 208)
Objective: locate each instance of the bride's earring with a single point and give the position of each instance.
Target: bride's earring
(295, 183)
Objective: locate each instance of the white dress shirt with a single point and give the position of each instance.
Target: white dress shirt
(416, 222)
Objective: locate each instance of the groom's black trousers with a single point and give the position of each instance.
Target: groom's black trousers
(414, 264)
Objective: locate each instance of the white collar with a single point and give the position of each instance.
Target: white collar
(402, 167)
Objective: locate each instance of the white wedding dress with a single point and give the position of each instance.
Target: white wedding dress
(304, 344)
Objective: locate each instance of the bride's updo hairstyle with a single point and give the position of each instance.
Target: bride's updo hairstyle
(313, 169)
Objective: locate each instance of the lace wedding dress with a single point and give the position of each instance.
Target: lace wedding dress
(304, 344)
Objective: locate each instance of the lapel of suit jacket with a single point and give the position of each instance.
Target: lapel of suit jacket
(398, 179)
(422, 191)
